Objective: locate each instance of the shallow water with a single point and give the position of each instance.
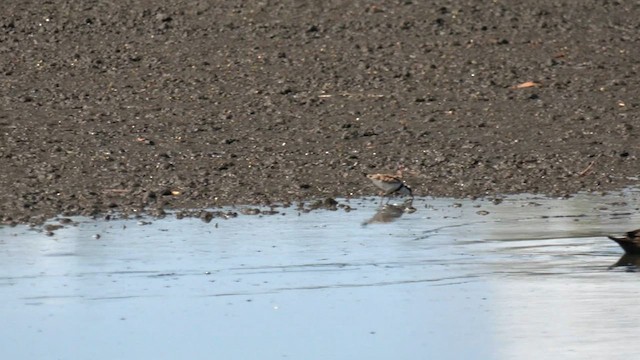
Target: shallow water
(528, 278)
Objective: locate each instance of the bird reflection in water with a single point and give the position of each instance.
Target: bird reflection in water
(391, 212)
(630, 243)
(630, 261)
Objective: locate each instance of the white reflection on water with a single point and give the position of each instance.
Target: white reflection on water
(532, 278)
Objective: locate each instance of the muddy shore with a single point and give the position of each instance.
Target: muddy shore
(130, 106)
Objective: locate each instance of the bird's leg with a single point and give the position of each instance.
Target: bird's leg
(388, 194)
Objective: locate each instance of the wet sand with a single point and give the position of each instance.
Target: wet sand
(127, 107)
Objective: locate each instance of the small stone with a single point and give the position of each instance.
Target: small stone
(50, 228)
(206, 216)
(250, 211)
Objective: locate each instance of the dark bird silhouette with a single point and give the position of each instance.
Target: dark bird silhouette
(630, 242)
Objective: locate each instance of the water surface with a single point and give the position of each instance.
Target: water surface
(527, 278)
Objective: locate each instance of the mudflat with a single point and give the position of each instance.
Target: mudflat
(139, 106)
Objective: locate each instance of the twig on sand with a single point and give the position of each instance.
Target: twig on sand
(587, 170)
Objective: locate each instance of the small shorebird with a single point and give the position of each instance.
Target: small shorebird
(390, 184)
(630, 242)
